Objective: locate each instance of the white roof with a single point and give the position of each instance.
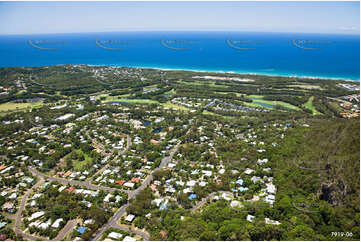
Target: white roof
(202, 183)
(107, 197)
(115, 235)
(269, 221)
(187, 190)
(57, 223)
(129, 184)
(61, 188)
(207, 173)
(44, 225)
(271, 188)
(250, 218)
(248, 171)
(89, 221)
(129, 239)
(262, 161)
(36, 215)
(226, 197)
(157, 201)
(191, 183)
(235, 204)
(130, 218)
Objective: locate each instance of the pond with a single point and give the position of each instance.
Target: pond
(120, 102)
(264, 105)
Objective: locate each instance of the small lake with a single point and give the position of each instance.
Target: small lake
(119, 102)
(264, 105)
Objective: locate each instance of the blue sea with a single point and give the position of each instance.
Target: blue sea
(285, 54)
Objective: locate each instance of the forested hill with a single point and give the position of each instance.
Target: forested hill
(317, 172)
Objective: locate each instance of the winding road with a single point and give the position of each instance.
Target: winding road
(18, 230)
(112, 223)
(126, 228)
(86, 183)
(204, 200)
(66, 229)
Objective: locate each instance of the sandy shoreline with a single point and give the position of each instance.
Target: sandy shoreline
(235, 72)
(208, 71)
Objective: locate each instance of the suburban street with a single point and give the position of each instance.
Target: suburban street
(144, 234)
(112, 223)
(86, 184)
(67, 228)
(18, 217)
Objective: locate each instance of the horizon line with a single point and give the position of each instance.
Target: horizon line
(185, 30)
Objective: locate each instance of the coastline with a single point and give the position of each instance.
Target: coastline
(234, 72)
(284, 75)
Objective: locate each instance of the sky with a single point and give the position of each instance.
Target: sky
(77, 17)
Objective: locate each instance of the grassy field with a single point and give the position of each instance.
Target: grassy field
(172, 105)
(210, 113)
(255, 96)
(150, 87)
(10, 106)
(258, 98)
(170, 92)
(199, 83)
(309, 106)
(20, 92)
(140, 101)
(81, 165)
(255, 105)
(305, 86)
(284, 104)
(111, 98)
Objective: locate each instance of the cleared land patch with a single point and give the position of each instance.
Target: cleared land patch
(310, 106)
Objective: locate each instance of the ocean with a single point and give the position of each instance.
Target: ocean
(285, 54)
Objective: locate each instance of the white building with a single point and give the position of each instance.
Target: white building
(115, 235)
(129, 239)
(36, 215)
(130, 218)
(273, 222)
(250, 218)
(57, 222)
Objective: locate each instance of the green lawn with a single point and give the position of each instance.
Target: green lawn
(140, 101)
(309, 106)
(255, 96)
(170, 92)
(258, 98)
(81, 165)
(172, 105)
(210, 113)
(10, 106)
(199, 83)
(20, 92)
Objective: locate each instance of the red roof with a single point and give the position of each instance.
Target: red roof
(70, 189)
(120, 182)
(163, 234)
(135, 179)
